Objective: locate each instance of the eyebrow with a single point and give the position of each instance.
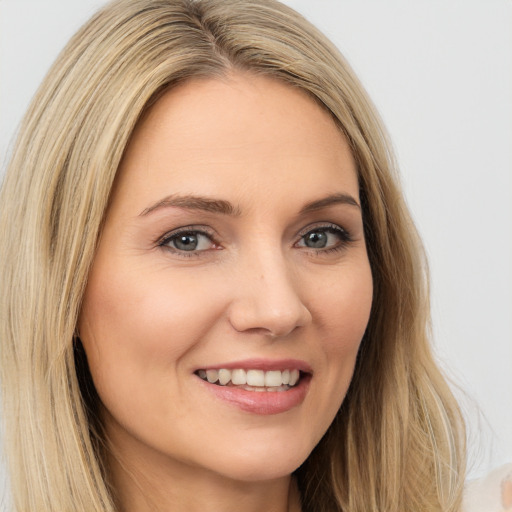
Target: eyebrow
(226, 208)
(330, 201)
(194, 203)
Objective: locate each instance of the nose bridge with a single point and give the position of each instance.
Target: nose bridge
(268, 293)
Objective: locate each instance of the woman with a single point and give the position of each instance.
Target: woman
(221, 299)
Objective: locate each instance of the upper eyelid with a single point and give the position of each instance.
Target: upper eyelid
(186, 229)
(322, 225)
(212, 235)
(163, 243)
(345, 236)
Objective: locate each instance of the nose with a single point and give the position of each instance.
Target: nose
(267, 298)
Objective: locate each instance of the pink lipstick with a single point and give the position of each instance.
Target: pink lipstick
(259, 386)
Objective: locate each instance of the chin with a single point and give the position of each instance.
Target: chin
(261, 464)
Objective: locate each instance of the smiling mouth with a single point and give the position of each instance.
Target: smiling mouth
(253, 380)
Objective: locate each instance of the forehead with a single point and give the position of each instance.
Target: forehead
(243, 132)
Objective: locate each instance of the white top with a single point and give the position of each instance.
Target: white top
(492, 493)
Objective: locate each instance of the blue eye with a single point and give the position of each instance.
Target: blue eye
(188, 241)
(316, 239)
(330, 237)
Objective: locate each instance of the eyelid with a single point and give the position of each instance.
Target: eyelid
(324, 226)
(345, 237)
(163, 240)
(169, 235)
(184, 229)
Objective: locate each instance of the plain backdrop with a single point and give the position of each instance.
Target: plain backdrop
(440, 73)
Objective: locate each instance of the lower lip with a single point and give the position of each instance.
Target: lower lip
(262, 402)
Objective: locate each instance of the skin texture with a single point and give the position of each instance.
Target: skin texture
(153, 315)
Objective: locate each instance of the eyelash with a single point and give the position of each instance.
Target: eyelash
(343, 234)
(188, 230)
(345, 237)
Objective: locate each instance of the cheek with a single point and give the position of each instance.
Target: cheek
(143, 312)
(138, 329)
(344, 309)
(343, 314)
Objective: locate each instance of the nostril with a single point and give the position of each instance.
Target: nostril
(271, 323)
(267, 303)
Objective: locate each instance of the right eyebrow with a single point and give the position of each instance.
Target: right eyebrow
(191, 202)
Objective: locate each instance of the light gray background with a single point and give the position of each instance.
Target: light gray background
(440, 72)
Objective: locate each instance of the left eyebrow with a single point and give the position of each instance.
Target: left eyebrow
(329, 201)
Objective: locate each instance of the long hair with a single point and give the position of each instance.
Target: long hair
(397, 442)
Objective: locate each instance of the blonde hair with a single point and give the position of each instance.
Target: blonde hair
(397, 442)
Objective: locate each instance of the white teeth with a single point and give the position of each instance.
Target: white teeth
(238, 377)
(254, 380)
(224, 377)
(212, 375)
(273, 378)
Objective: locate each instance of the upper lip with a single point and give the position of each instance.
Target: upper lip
(261, 364)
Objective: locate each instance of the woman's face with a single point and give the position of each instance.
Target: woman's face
(233, 249)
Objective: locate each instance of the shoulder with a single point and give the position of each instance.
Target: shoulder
(492, 493)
